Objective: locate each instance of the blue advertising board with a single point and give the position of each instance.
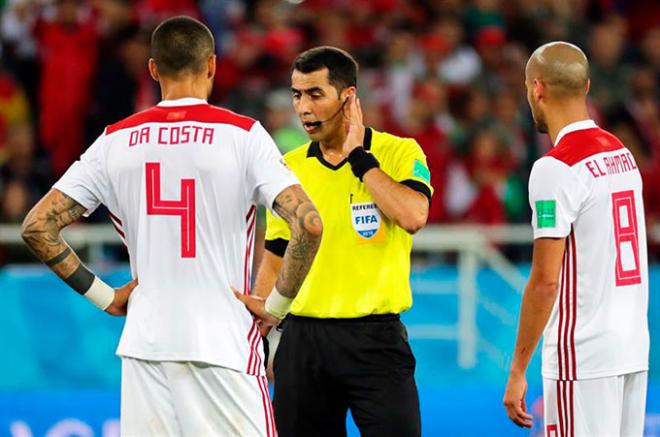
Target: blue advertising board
(59, 375)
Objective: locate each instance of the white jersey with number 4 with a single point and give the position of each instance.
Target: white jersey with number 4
(181, 181)
(588, 189)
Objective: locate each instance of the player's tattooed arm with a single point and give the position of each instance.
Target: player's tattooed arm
(41, 231)
(294, 206)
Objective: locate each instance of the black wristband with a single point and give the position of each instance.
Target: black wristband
(81, 279)
(362, 161)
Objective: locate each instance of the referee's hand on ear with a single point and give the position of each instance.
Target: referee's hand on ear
(257, 307)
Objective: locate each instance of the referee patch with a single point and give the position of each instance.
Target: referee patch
(365, 218)
(420, 171)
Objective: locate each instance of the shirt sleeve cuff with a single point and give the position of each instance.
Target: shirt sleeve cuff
(551, 233)
(275, 190)
(81, 196)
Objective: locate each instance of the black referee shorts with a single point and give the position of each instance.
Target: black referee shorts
(323, 367)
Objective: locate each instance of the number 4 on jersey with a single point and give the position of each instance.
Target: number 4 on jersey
(183, 208)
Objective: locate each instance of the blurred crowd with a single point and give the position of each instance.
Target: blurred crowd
(448, 73)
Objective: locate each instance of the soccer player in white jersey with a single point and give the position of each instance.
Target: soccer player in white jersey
(588, 287)
(181, 181)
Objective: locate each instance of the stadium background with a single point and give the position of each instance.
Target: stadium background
(446, 72)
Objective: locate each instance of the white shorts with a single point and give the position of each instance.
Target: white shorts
(165, 398)
(602, 407)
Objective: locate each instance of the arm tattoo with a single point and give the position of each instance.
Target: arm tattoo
(41, 232)
(58, 258)
(297, 209)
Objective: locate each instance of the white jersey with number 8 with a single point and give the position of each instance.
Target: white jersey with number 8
(181, 181)
(588, 189)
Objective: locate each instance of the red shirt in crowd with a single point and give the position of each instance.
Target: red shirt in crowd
(68, 57)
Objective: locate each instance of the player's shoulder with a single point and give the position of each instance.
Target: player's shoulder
(137, 119)
(217, 114)
(548, 169)
(202, 113)
(577, 146)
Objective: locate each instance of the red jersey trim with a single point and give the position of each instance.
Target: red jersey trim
(577, 146)
(168, 114)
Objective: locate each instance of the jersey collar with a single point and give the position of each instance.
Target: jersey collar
(314, 151)
(578, 125)
(185, 101)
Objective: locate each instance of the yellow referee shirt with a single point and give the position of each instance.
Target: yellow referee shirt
(363, 264)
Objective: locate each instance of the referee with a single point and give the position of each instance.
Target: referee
(343, 346)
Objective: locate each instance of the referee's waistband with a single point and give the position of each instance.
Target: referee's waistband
(372, 318)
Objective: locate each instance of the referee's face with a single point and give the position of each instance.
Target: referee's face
(317, 103)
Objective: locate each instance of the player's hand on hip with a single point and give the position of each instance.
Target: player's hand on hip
(119, 305)
(257, 306)
(265, 329)
(514, 400)
(354, 125)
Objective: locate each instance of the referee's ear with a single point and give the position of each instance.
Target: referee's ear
(348, 92)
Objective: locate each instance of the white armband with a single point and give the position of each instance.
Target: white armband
(278, 305)
(100, 293)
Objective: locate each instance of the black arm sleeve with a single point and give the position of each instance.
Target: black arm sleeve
(277, 246)
(418, 186)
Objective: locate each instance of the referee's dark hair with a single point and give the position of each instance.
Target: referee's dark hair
(181, 45)
(342, 68)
